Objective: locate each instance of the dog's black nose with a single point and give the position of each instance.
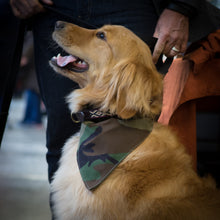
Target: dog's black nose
(59, 25)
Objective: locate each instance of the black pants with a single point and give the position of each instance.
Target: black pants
(139, 16)
(11, 40)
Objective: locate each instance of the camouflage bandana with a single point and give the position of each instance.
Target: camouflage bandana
(105, 144)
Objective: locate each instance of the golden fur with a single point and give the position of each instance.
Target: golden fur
(156, 181)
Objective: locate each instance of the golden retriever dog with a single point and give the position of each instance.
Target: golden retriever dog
(155, 181)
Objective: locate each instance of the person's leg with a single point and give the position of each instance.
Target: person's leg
(54, 88)
(11, 40)
(139, 16)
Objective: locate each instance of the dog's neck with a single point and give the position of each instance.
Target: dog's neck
(91, 114)
(95, 116)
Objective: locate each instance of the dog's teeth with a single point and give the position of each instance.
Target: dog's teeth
(58, 55)
(81, 62)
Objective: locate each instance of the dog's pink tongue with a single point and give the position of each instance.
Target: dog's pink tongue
(63, 61)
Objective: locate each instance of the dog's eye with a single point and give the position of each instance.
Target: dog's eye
(101, 35)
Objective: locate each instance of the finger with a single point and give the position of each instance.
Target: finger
(169, 45)
(22, 7)
(158, 49)
(26, 8)
(15, 11)
(48, 2)
(18, 13)
(174, 49)
(175, 40)
(156, 34)
(35, 6)
(173, 53)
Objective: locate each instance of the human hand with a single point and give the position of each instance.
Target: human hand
(172, 31)
(26, 8)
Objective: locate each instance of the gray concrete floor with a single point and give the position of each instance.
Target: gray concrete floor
(24, 189)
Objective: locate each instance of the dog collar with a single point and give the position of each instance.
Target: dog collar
(104, 145)
(93, 115)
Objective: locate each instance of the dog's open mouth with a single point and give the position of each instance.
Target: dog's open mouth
(70, 62)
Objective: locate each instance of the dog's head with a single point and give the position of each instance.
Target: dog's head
(113, 67)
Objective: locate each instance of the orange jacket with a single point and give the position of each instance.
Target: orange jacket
(188, 81)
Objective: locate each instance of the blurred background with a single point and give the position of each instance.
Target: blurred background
(24, 189)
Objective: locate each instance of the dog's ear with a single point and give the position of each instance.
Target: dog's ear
(136, 88)
(122, 111)
(125, 77)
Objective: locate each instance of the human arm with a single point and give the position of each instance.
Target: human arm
(26, 8)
